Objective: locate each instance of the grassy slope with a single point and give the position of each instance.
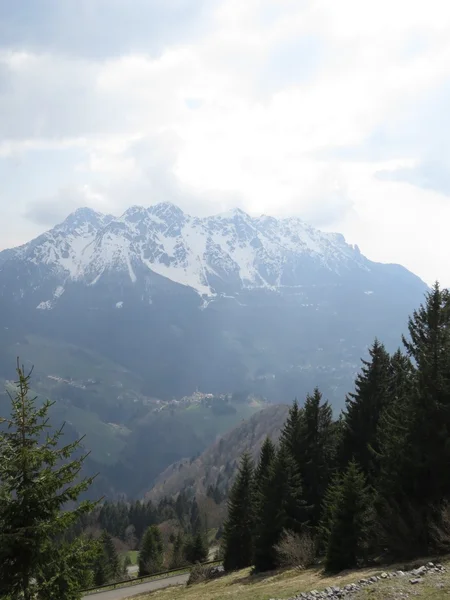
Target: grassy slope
(242, 586)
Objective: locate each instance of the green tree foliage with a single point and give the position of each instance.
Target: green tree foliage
(414, 434)
(279, 507)
(364, 408)
(178, 559)
(316, 452)
(266, 457)
(196, 548)
(151, 554)
(39, 482)
(429, 347)
(239, 526)
(195, 520)
(290, 434)
(107, 565)
(348, 520)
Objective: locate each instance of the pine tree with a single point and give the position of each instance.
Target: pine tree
(239, 526)
(363, 411)
(196, 548)
(316, 452)
(38, 481)
(107, 566)
(151, 554)
(414, 452)
(393, 437)
(290, 434)
(266, 457)
(195, 520)
(347, 520)
(177, 559)
(429, 347)
(279, 507)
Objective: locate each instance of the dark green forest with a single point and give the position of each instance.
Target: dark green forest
(372, 485)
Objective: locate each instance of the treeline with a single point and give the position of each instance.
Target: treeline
(373, 484)
(168, 535)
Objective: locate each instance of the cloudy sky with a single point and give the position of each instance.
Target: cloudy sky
(336, 111)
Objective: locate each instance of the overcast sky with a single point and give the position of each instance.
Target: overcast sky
(333, 110)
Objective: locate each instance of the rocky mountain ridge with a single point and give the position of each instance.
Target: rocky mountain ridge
(222, 254)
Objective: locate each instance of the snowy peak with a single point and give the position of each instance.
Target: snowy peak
(220, 254)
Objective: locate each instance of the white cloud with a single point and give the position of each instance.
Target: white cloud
(279, 106)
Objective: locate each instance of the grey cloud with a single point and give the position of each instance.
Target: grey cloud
(427, 175)
(101, 28)
(50, 211)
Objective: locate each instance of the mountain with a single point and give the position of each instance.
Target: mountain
(216, 466)
(223, 303)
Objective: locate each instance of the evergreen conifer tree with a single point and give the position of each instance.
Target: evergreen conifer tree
(363, 411)
(280, 507)
(429, 347)
(38, 480)
(151, 554)
(347, 520)
(266, 456)
(196, 548)
(107, 566)
(290, 434)
(316, 452)
(239, 526)
(177, 559)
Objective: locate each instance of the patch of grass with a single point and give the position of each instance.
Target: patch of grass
(285, 584)
(133, 555)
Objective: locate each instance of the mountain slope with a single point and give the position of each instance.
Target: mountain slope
(217, 464)
(222, 303)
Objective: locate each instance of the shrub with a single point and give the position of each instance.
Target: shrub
(296, 550)
(201, 573)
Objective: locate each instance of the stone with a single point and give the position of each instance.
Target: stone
(400, 573)
(430, 565)
(384, 575)
(415, 581)
(419, 571)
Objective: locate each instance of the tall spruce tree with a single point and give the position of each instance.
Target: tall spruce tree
(347, 520)
(196, 548)
(178, 559)
(397, 526)
(429, 347)
(151, 554)
(266, 457)
(107, 567)
(290, 436)
(316, 447)
(425, 451)
(280, 507)
(394, 426)
(38, 481)
(363, 410)
(239, 526)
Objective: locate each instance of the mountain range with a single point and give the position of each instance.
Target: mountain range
(117, 313)
(218, 303)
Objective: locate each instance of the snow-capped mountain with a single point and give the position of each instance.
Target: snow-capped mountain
(224, 253)
(222, 303)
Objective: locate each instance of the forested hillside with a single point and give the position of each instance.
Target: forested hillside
(373, 483)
